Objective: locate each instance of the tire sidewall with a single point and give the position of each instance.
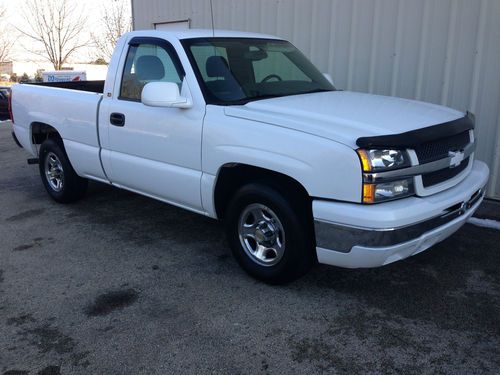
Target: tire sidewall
(297, 256)
(74, 186)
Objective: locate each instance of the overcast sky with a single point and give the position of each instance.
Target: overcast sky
(92, 8)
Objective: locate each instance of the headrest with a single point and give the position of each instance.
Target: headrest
(217, 66)
(149, 68)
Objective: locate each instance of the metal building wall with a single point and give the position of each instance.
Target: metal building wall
(439, 51)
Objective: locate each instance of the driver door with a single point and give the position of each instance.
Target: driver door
(151, 150)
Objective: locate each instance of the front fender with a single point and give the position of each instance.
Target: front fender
(325, 168)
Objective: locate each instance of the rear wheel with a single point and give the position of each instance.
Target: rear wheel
(58, 176)
(269, 233)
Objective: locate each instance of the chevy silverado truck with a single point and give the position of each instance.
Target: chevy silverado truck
(241, 127)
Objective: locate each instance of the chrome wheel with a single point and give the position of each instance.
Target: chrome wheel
(54, 172)
(261, 234)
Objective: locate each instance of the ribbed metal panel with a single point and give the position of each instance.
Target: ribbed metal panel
(445, 52)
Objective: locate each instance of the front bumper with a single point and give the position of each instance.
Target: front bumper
(359, 236)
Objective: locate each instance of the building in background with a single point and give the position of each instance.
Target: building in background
(445, 52)
(93, 71)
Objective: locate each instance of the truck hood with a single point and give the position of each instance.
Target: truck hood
(344, 116)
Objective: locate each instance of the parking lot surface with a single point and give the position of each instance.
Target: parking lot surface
(122, 284)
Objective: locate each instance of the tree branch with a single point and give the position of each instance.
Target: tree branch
(57, 26)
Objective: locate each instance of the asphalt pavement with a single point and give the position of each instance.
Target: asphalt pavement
(122, 284)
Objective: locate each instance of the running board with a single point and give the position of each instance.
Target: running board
(33, 161)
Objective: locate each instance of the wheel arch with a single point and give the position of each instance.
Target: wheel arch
(41, 131)
(232, 176)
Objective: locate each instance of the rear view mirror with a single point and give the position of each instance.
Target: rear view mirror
(164, 94)
(255, 55)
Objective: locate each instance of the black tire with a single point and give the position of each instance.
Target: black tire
(73, 187)
(295, 220)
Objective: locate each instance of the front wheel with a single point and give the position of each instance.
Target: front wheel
(270, 234)
(58, 176)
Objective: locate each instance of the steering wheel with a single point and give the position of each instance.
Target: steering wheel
(271, 76)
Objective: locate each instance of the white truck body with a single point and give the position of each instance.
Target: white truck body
(176, 154)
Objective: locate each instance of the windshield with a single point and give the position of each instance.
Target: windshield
(239, 70)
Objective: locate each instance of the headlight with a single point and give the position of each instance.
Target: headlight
(378, 161)
(383, 160)
(386, 191)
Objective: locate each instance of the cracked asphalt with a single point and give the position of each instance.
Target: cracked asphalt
(122, 284)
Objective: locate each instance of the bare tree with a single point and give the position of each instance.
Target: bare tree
(6, 39)
(116, 20)
(58, 26)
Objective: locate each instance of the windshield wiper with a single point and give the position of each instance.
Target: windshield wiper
(266, 96)
(271, 96)
(315, 91)
(253, 98)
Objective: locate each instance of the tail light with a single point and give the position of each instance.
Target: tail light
(10, 107)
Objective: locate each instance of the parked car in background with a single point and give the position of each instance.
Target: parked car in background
(4, 103)
(244, 128)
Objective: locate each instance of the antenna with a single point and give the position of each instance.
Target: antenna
(212, 14)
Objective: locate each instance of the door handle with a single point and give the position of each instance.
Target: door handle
(117, 119)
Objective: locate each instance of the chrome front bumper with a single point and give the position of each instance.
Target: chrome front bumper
(343, 238)
(394, 230)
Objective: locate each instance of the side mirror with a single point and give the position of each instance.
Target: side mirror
(328, 77)
(164, 94)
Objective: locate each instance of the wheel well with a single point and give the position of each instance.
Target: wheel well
(41, 132)
(231, 177)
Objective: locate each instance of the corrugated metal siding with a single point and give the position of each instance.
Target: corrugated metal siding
(445, 52)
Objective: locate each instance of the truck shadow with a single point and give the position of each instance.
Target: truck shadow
(454, 285)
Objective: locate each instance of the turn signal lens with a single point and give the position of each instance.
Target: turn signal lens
(365, 160)
(368, 193)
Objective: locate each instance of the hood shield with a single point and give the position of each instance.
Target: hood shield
(416, 137)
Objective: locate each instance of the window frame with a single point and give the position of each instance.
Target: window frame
(158, 42)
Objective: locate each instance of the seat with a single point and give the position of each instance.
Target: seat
(147, 68)
(225, 87)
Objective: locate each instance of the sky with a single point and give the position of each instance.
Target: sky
(92, 8)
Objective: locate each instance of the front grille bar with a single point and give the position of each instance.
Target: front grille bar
(373, 178)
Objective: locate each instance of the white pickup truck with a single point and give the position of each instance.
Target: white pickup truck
(242, 127)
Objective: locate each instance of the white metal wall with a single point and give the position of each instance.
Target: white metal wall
(440, 51)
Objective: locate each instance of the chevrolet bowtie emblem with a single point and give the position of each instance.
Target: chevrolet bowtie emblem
(456, 158)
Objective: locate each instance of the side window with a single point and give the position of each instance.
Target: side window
(147, 63)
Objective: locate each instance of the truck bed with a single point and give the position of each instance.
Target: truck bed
(90, 86)
(69, 107)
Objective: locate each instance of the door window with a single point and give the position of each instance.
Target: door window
(147, 63)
